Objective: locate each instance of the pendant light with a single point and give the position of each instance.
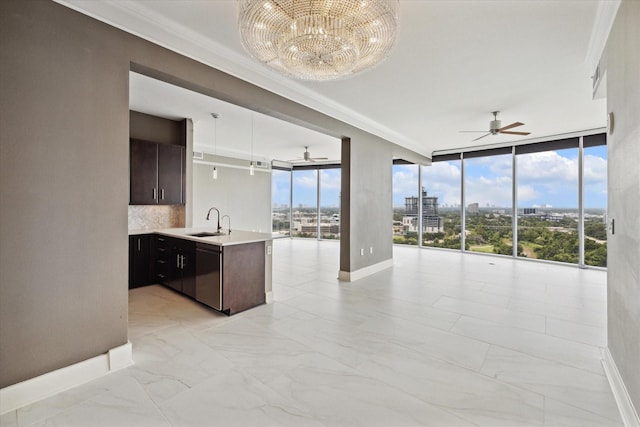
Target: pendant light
(215, 142)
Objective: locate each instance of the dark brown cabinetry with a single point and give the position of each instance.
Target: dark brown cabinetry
(230, 278)
(139, 261)
(161, 253)
(183, 273)
(171, 160)
(175, 264)
(156, 173)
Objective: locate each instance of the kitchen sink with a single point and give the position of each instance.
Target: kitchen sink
(206, 234)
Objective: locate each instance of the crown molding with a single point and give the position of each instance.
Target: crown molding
(605, 15)
(142, 21)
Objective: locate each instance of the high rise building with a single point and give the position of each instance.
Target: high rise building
(431, 222)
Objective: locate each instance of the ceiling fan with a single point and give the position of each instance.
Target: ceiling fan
(494, 128)
(306, 157)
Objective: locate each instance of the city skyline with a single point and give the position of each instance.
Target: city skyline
(548, 178)
(545, 178)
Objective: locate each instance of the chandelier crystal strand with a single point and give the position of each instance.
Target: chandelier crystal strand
(318, 39)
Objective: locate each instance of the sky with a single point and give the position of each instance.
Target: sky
(305, 188)
(548, 178)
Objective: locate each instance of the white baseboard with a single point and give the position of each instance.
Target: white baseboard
(350, 276)
(268, 297)
(625, 405)
(24, 393)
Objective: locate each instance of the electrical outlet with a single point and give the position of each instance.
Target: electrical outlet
(361, 251)
(371, 250)
(269, 250)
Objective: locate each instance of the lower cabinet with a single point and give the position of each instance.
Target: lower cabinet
(230, 278)
(162, 256)
(139, 261)
(185, 274)
(175, 264)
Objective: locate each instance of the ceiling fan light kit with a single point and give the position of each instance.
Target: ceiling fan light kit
(495, 127)
(318, 39)
(306, 157)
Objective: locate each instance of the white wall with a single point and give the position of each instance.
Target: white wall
(622, 62)
(245, 198)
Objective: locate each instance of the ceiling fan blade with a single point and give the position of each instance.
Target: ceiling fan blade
(471, 131)
(480, 137)
(512, 125)
(515, 133)
(320, 158)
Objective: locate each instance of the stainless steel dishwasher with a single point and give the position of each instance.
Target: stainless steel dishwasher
(209, 275)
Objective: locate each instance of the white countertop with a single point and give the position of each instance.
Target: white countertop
(236, 237)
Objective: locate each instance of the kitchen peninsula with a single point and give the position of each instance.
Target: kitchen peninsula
(227, 271)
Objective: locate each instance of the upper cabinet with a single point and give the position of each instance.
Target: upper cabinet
(156, 173)
(171, 159)
(157, 160)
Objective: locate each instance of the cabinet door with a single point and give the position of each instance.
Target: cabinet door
(170, 174)
(175, 261)
(162, 260)
(139, 261)
(189, 268)
(143, 173)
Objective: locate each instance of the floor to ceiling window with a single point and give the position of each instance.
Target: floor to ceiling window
(304, 209)
(441, 213)
(329, 203)
(488, 202)
(405, 204)
(429, 201)
(280, 202)
(595, 203)
(306, 201)
(548, 214)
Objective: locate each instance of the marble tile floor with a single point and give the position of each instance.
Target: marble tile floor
(440, 339)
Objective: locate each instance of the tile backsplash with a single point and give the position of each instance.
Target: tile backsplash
(142, 217)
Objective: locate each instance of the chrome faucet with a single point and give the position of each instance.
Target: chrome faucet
(209, 213)
(229, 218)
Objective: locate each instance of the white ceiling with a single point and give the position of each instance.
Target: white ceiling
(454, 63)
(272, 138)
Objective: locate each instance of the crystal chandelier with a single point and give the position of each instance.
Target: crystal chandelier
(318, 39)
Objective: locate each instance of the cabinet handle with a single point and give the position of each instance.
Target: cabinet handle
(155, 194)
(182, 262)
(178, 261)
(162, 194)
(139, 244)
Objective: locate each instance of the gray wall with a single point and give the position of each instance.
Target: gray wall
(245, 198)
(622, 63)
(63, 190)
(367, 203)
(64, 177)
